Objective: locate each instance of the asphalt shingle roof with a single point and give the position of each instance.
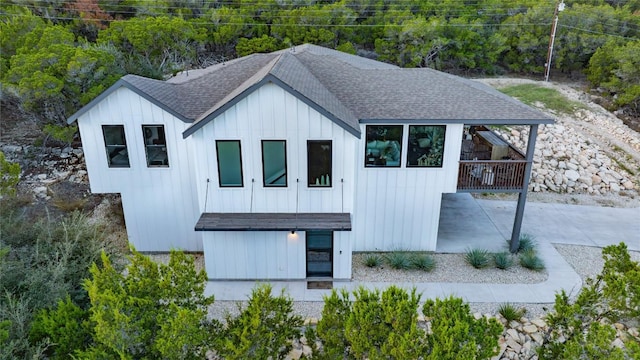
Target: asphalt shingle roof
(346, 88)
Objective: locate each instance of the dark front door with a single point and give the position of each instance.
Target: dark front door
(319, 253)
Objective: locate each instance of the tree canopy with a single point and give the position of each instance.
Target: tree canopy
(57, 55)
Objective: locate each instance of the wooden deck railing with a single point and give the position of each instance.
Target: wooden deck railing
(491, 175)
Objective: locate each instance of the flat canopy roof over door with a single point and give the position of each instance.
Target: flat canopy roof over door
(273, 221)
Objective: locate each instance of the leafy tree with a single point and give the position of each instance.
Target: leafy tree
(257, 45)
(456, 334)
(141, 313)
(383, 327)
(582, 328)
(615, 67)
(332, 326)
(54, 76)
(527, 40)
(9, 176)
(263, 330)
(415, 43)
(157, 45)
(16, 24)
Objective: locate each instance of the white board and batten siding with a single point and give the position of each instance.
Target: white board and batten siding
(398, 208)
(271, 113)
(159, 203)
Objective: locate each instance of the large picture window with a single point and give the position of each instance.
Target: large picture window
(425, 146)
(155, 145)
(319, 163)
(274, 163)
(229, 163)
(116, 145)
(383, 145)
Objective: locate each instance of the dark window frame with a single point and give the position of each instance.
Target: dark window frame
(413, 146)
(114, 150)
(310, 182)
(374, 155)
(218, 164)
(160, 158)
(264, 179)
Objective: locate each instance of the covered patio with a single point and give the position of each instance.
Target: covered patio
(464, 225)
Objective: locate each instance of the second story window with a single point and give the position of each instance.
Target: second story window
(116, 145)
(155, 145)
(383, 147)
(319, 163)
(229, 163)
(274, 163)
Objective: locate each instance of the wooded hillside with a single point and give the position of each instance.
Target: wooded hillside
(57, 55)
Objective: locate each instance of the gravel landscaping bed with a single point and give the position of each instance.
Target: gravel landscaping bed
(449, 268)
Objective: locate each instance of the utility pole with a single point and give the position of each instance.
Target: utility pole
(552, 38)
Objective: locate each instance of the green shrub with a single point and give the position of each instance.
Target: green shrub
(530, 260)
(66, 327)
(582, 325)
(423, 262)
(372, 260)
(456, 334)
(264, 329)
(63, 134)
(399, 260)
(478, 258)
(509, 312)
(331, 327)
(9, 176)
(503, 260)
(150, 310)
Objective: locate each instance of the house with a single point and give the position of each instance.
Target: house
(280, 165)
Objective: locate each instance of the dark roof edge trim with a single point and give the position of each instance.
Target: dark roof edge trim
(123, 83)
(269, 79)
(461, 121)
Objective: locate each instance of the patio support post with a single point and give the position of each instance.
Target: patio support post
(522, 196)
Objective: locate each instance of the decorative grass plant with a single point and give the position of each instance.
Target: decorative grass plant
(530, 260)
(527, 243)
(478, 258)
(423, 262)
(372, 260)
(510, 312)
(399, 260)
(503, 260)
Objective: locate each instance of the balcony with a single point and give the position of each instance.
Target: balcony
(489, 163)
(491, 175)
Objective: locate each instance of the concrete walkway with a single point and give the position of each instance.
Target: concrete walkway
(467, 222)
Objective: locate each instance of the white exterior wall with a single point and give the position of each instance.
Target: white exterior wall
(271, 113)
(159, 203)
(399, 208)
(268, 255)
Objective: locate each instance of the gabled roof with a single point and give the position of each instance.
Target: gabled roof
(347, 89)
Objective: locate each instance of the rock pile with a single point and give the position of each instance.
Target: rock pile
(564, 161)
(43, 167)
(519, 340)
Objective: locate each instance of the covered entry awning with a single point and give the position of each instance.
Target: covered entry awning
(273, 221)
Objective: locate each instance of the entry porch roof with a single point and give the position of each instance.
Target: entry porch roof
(273, 221)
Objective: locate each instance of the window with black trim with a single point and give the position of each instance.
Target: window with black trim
(383, 147)
(155, 145)
(425, 145)
(229, 157)
(319, 163)
(115, 144)
(274, 163)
